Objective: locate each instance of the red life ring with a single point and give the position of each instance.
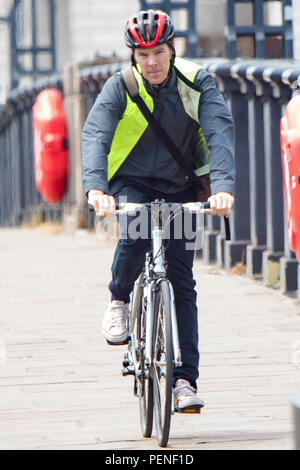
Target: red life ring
(290, 156)
(50, 146)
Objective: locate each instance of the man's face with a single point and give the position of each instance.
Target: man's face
(154, 62)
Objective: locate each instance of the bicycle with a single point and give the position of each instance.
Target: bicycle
(153, 341)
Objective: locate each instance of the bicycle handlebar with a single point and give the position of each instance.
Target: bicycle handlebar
(192, 206)
(126, 207)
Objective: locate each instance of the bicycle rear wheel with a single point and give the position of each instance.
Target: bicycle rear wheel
(162, 367)
(144, 383)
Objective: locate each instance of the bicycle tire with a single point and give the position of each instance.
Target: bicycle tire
(145, 383)
(162, 366)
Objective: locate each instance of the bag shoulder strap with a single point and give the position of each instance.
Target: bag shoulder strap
(188, 82)
(130, 82)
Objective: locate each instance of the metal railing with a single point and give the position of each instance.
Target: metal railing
(258, 30)
(19, 198)
(257, 93)
(23, 47)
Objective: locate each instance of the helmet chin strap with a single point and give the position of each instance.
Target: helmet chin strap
(133, 61)
(173, 56)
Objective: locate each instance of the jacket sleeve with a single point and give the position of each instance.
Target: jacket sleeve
(98, 133)
(218, 129)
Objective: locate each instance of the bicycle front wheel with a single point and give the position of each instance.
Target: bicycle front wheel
(162, 366)
(144, 383)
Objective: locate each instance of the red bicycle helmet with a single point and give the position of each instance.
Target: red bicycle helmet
(149, 28)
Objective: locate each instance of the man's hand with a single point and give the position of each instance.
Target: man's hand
(104, 205)
(221, 204)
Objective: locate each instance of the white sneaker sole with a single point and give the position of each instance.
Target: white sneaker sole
(190, 405)
(115, 340)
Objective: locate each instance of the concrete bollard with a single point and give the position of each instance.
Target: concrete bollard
(296, 420)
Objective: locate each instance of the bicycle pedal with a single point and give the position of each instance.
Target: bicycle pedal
(189, 410)
(120, 343)
(126, 372)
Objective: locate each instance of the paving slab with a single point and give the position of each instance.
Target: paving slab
(60, 383)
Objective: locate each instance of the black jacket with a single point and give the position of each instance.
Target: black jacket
(149, 162)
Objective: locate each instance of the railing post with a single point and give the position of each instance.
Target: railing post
(273, 188)
(288, 266)
(234, 251)
(15, 161)
(9, 167)
(215, 238)
(213, 248)
(22, 167)
(6, 156)
(210, 239)
(75, 213)
(257, 174)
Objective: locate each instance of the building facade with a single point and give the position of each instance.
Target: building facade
(93, 28)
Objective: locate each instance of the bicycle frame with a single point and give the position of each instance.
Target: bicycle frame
(154, 273)
(159, 271)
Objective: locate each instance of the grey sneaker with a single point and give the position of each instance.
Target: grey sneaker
(185, 398)
(115, 322)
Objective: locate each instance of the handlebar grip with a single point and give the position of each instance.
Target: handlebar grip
(91, 208)
(206, 205)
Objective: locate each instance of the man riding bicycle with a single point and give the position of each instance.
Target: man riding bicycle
(123, 156)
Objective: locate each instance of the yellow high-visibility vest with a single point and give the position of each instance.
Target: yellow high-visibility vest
(133, 124)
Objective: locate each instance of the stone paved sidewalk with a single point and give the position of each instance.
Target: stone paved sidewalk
(60, 384)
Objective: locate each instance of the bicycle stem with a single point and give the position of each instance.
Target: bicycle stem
(157, 243)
